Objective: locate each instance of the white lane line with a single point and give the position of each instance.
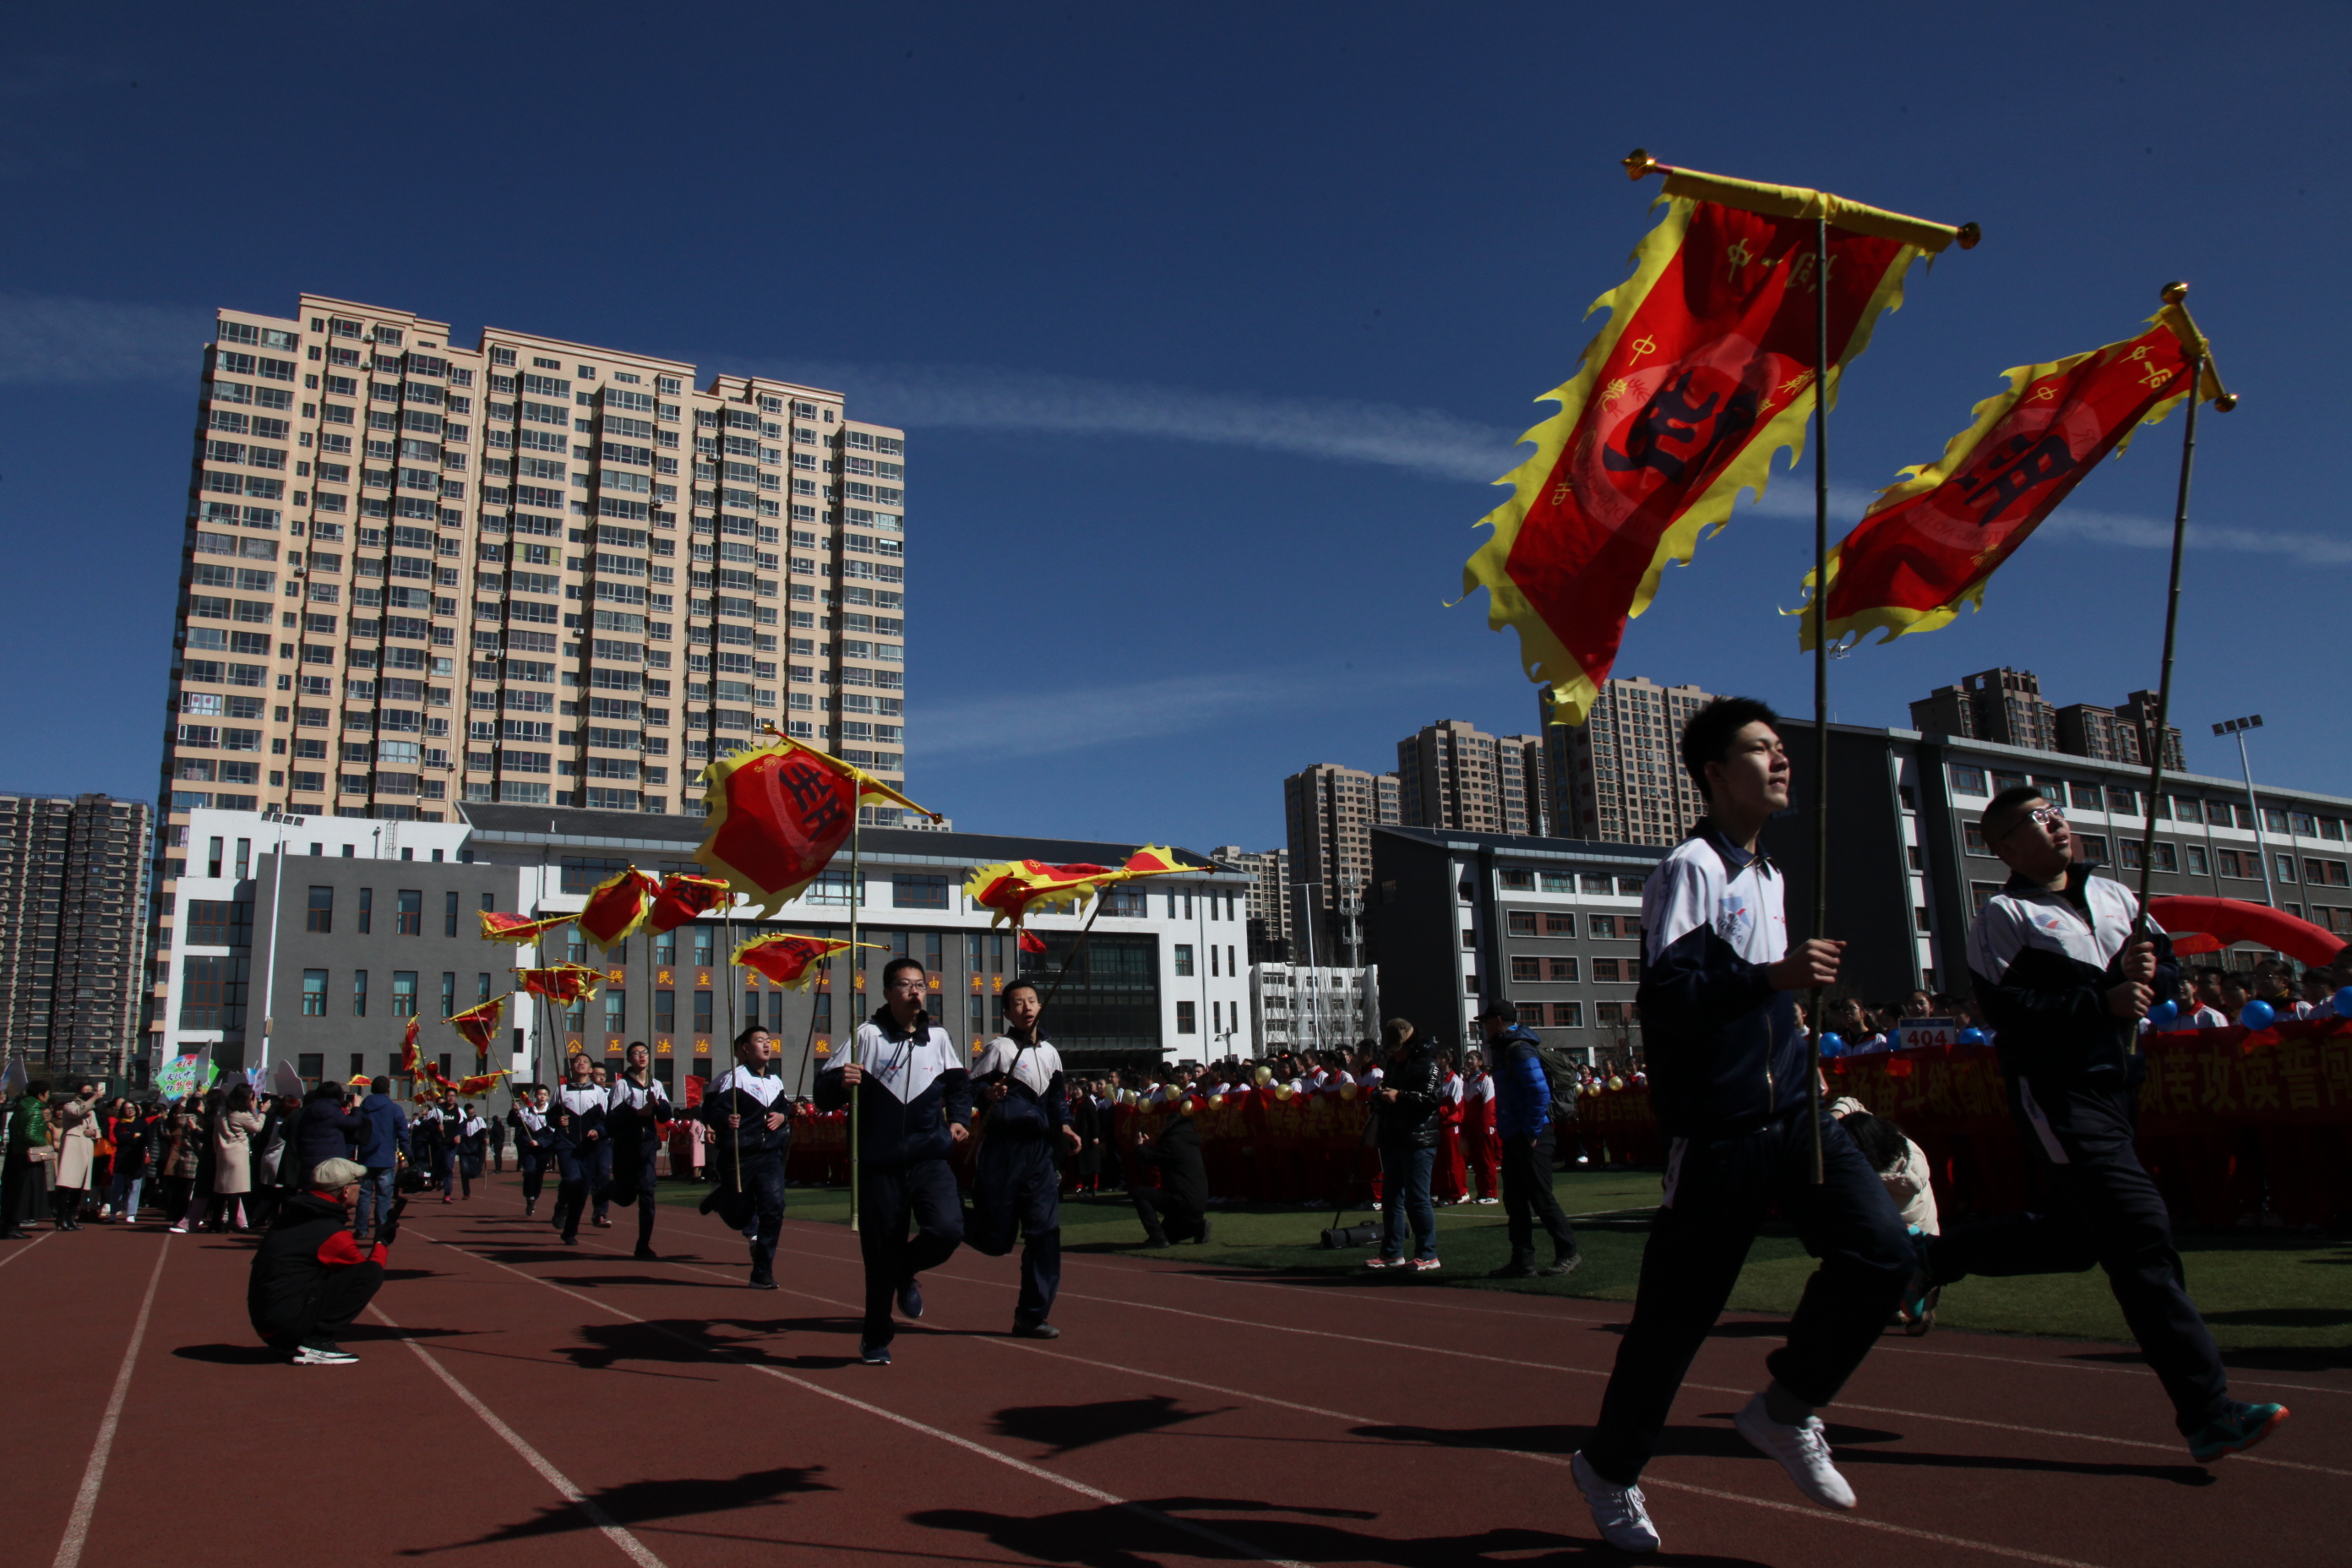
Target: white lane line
(28, 1247)
(629, 1544)
(1857, 1522)
(93, 1476)
(2115, 1370)
(1189, 1527)
(1596, 1372)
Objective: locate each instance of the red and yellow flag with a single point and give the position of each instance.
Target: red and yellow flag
(1928, 544)
(1013, 888)
(616, 907)
(519, 929)
(791, 961)
(1152, 860)
(562, 984)
(682, 898)
(1705, 370)
(479, 1023)
(779, 814)
(408, 1057)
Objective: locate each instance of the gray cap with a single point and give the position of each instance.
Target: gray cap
(330, 1175)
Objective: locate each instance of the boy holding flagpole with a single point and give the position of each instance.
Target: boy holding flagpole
(751, 1120)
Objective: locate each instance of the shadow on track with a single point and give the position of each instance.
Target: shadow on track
(647, 1502)
(1065, 1427)
(1108, 1537)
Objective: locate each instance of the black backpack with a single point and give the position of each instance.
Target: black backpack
(1560, 1071)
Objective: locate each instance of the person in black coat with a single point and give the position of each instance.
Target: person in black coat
(309, 1276)
(1178, 1209)
(1086, 1118)
(1408, 1109)
(327, 1130)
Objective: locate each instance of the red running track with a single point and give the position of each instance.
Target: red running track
(518, 1401)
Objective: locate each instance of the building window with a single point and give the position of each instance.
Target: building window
(1560, 925)
(1982, 893)
(314, 993)
(616, 1010)
(1601, 925)
(2196, 863)
(1605, 969)
(1518, 880)
(918, 892)
(665, 1011)
(1568, 1014)
(1531, 1015)
(1523, 924)
(1184, 961)
(702, 1011)
(367, 906)
(1563, 970)
(1972, 837)
(449, 914)
(410, 918)
(403, 993)
(311, 1067)
(1187, 1022)
(323, 909)
(359, 993)
(1525, 968)
(2095, 847)
(212, 993)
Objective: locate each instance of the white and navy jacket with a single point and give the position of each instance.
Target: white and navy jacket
(915, 1085)
(577, 1110)
(741, 1092)
(630, 1109)
(1038, 1103)
(2043, 962)
(1725, 1052)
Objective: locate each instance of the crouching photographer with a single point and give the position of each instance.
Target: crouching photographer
(310, 1276)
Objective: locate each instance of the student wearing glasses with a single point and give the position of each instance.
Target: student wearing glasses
(2065, 975)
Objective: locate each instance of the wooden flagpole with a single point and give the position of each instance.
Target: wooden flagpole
(1813, 1018)
(857, 967)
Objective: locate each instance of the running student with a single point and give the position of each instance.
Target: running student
(914, 1105)
(578, 1120)
(1731, 1078)
(1025, 1124)
(634, 1109)
(752, 1131)
(533, 1143)
(2065, 982)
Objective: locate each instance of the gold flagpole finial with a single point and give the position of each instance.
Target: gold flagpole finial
(2173, 293)
(1638, 163)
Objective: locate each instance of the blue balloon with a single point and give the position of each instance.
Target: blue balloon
(1972, 1037)
(2163, 1014)
(2343, 1003)
(1832, 1045)
(2257, 1015)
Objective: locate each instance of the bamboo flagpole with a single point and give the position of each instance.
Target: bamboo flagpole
(857, 967)
(1813, 1020)
(2199, 355)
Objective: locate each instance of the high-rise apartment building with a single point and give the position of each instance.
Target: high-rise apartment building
(1270, 898)
(1525, 778)
(1620, 776)
(530, 572)
(1329, 812)
(1453, 774)
(2006, 706)
(73, 892)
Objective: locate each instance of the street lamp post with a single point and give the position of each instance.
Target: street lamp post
(2239, 727)
(269, 963)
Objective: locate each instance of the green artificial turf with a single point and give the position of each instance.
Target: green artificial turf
(2260, 1292)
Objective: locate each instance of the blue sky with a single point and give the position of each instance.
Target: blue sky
(1209, 326)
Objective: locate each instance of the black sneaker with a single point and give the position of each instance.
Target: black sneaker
(763, 1281)
(910, 1300)
(1567, 1264)
(1513, 1272)
(873, 1354)
(1022, 1330)
(646, 1255)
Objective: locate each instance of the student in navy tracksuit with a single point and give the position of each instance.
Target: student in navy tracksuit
(634, 1108)
(533, 1142)
(1732, 1083)
(914, 1105)
(577, 1120)
(752, 1120)
(2064, 983)
(1025, 1112)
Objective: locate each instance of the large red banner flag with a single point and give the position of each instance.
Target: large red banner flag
(791, 961)
(1705, 369)
(1929, 543)
(519, 929)
(682, 898)
(562, 983)
(779, 814)
(616, 905)
(478, 1025)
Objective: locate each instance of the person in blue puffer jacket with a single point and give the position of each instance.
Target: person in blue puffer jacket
(1523, 1122)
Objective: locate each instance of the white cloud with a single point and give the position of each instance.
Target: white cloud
(49, 340)
(1425, 441)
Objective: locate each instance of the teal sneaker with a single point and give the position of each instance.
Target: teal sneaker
(2236, 1429)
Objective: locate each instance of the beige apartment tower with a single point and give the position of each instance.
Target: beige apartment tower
(1455, 775)
(530, 571)
(1329, 811)
(1619, 777)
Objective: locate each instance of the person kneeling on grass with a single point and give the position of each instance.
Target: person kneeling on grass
(1178, 1209)
(311, 1277)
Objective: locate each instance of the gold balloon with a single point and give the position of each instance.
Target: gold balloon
(1264, 1075)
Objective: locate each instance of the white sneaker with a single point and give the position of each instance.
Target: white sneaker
(1618, 1512)
(1490, 1200)
(1801, 1450)
(323, 1356)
